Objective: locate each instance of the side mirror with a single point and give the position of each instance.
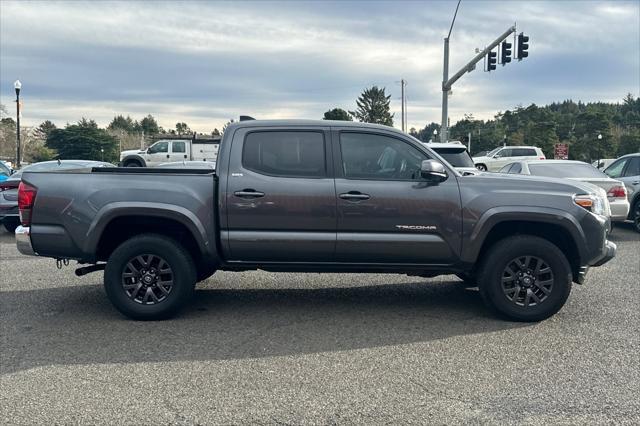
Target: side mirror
(433, 171)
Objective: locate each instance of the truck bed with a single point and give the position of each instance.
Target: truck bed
(70, 214)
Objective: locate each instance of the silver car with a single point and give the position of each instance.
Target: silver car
(577, 170)
(627, 170)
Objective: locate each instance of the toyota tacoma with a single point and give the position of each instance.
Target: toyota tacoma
(317, 196)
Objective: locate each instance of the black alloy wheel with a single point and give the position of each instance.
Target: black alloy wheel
(147, 279)
(527, 281)
(525, 278)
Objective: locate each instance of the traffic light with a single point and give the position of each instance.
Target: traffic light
(493, 59)
(505, 53)
(523, 46)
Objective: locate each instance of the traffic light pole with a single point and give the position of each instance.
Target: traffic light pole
(470, 66)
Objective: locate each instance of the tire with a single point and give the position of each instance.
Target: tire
(468, 280)
(481, 167)
(635, 216)
(132, 164)
(10, 224)
(514, 298)
(144, 296)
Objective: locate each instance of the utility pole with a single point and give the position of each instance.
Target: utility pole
(402, 83)
(444, 130)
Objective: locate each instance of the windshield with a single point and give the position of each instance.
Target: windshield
(457, 157)
(566, 170)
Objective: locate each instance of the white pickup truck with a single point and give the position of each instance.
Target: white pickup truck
(171, 150)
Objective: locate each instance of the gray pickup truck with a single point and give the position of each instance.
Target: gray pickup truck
(317, 196)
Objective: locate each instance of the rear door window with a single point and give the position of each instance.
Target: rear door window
(633, 168)
(524, 152)
(287, 154)
(178, 147)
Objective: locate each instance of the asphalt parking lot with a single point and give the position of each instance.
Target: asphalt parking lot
(317, 349)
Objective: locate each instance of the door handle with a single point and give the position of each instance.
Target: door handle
(249, 193)
(637, 182)
(167, 155)
(354, 196)
(185, 156)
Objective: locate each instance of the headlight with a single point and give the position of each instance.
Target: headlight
(595, 203)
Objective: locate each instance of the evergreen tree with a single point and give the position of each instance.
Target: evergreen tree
(373, 107)
(337, 114)
(83, 141)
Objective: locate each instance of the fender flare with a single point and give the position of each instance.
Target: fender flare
(181, 215)
(134, 157)
(494, 216)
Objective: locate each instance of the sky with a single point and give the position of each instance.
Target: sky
(204, 63)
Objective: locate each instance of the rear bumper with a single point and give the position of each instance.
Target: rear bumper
(23, 241)
(619, 210)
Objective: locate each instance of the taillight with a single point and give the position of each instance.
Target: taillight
(617, 192)
(543, 158)
(26, 198)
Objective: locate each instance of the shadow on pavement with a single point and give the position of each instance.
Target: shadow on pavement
(624, 232)
(77, 325)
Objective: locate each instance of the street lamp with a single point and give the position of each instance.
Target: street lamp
(599, 141)
(102, 154)
(435, 135)
(17, 85)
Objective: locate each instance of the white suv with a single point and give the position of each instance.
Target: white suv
(494, 160)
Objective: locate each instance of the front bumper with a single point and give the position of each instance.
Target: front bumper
(23, 241)
(609, 253)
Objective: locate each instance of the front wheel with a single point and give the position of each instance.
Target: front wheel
(636, 216)
(525, 278)
(481, 167)
(149, 277)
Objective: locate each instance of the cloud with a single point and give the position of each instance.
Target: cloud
(203, 62)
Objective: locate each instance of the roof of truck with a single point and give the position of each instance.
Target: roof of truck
(318, 123)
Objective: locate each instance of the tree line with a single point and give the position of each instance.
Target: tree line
(577, 124)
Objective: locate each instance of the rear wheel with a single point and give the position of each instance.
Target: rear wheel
(10, 224)
(525, 278)
(149, 277)
(481, 167)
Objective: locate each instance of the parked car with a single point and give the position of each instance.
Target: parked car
(603, 163)
(577, 170)
(172, 150)
(627, 170)
(456, 154)
(5, 171)
(317, 196)
(188, 165)
(9, 188)
(499, 157)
